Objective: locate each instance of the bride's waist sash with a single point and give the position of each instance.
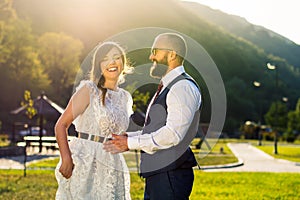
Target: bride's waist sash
(95, 138)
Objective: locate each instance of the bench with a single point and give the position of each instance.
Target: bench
(34, 141)
(46, 141)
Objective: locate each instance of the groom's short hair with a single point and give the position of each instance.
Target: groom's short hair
(175, 42)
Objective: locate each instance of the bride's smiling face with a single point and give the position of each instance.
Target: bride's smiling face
(112, 64)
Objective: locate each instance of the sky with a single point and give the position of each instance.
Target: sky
(280, 16)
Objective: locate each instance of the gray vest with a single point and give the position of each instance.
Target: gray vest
(179, 156)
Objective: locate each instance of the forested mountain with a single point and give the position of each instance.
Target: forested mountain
(268, 40)
(239, 59)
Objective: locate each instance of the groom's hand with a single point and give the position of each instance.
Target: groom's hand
(118, 144)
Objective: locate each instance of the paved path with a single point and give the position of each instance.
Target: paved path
(17, 162)
(251, 159)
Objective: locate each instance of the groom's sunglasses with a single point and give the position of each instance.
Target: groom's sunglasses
(154, 50)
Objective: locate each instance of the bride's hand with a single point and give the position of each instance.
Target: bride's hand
(67, 167)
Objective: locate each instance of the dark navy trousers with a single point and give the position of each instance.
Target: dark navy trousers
(171, 185)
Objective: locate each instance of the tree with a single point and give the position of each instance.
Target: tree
(236, 91)
(60, 56)
(294, 119)
(28, 102)
(7, 14)
(19, 64)
(277, 120)
(6, 11)
(140, 99)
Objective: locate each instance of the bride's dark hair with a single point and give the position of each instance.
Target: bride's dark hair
(96, 74)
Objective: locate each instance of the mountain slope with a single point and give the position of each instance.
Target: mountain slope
(268, 40)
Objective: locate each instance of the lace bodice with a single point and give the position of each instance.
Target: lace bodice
(99, 119)
(97, 174)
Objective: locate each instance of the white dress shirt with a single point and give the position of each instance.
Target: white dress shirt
(183, 100)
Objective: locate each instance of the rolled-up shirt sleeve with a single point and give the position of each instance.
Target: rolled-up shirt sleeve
(183, 100)
(134, 133)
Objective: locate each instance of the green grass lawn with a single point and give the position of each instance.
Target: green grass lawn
(291, 152)
(45, 163)
(210, 154)
(41, 184)
(244, 185)
(38, 184)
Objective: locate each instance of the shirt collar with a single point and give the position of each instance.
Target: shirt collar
(171, 75)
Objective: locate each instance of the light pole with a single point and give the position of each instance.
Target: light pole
(258, 85)
(273, 67)
(258, 129)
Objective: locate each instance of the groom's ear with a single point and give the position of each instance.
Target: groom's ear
(172, 55)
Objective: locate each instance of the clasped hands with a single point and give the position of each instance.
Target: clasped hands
(117, 144)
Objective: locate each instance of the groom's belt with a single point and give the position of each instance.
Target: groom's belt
(95, 138)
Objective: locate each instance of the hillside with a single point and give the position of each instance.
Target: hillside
(268, 40)
(239, 61)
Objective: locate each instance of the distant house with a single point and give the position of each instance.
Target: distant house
(47, 111)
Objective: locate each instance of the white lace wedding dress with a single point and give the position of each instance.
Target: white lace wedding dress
(98, 174)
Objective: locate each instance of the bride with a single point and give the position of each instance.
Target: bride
(98, 108)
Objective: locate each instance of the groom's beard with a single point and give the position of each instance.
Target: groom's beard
(158, 70)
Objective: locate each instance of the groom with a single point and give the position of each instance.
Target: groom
(171, 123)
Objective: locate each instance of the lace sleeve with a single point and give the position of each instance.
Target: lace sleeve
(80, 100)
